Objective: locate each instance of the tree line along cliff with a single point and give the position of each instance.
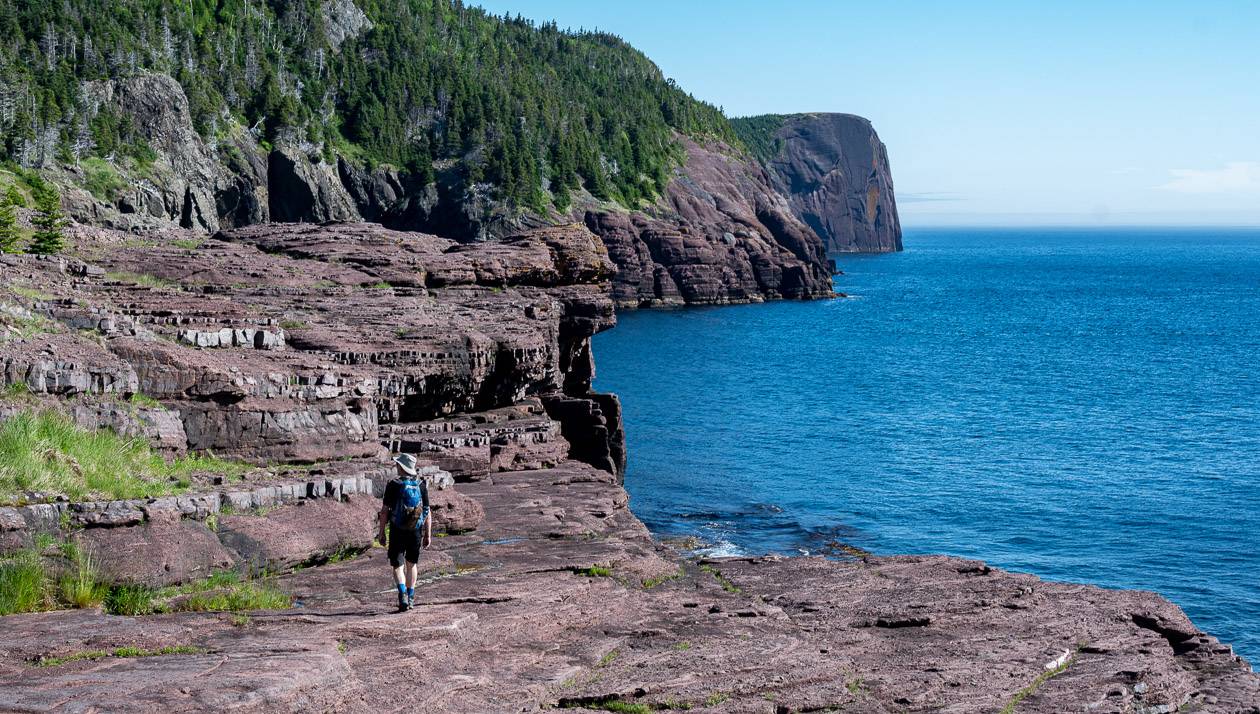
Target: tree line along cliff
(428, 115)
(532, 109)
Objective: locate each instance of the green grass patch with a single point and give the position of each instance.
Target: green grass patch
(23, 584)
(293, 325)
(650, 583)
(1033, 686)
(609, 657)
(141, 279)
(120, 652)
(595, 571)
(28, 327)
(722, 580)
(30, 294)
(34, 580)
(243, 596)
(145, 401)
(45, 452)
(132, 600)
(16, 391)
(187, 243)
(681, 646)
(608, 705)
(222, 591)
(80, 586)
(102, 180)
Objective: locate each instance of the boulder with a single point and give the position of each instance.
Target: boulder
(302, 189)
(157, 553)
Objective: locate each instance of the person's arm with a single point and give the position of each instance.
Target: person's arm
(428, 521)
(382, 516)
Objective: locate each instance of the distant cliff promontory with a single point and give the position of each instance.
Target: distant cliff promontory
(834, 171)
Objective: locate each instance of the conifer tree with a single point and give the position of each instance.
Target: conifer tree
(48, 221)
(14, 196)
(8, 224)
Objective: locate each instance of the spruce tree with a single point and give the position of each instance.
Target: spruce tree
(8, 225)
(48, 221)
(14, 197)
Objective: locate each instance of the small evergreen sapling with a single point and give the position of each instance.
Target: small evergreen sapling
(8, 225)
(48, 221)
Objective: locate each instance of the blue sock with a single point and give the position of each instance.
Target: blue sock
(402, 589)
(409, 592)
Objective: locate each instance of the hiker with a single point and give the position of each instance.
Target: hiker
(405, 507)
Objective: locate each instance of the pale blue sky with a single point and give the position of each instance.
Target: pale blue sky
(993, 112)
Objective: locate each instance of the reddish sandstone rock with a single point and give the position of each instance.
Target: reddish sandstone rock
(291, 535)
(303, 343)
(722, 235)
(562, 600)
(157, 553)
(834, 171)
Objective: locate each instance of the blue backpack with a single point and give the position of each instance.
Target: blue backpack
(409, 511)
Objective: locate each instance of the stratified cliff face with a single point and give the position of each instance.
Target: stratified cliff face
(834, 171)
(308, 343)
(722, 235)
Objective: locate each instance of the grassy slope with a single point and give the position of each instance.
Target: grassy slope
(45, 452)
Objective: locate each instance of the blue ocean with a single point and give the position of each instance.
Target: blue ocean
(1082, 404)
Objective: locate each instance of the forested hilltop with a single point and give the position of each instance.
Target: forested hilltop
(532, 110)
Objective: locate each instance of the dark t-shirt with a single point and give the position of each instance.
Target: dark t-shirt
(393, 491)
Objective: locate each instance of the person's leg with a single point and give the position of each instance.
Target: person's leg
(412, 566)
(412, 569)
(397, 549)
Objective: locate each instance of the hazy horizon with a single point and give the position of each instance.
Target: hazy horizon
(1068, 114)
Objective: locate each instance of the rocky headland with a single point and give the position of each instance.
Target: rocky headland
(834, 171)
(721, 233)
(306, 352)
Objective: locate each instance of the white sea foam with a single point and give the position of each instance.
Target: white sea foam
(721, 549)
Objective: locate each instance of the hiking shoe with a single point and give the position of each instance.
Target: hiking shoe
(411, 601)
(403, 603)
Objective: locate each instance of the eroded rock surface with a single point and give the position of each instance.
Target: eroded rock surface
(561, 599)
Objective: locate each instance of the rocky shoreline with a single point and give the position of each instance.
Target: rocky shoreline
(310, 350)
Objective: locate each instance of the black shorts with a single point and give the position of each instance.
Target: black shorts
(403, 541)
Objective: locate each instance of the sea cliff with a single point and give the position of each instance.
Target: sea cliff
(835, 173)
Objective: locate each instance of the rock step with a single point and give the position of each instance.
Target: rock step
(52, 518)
